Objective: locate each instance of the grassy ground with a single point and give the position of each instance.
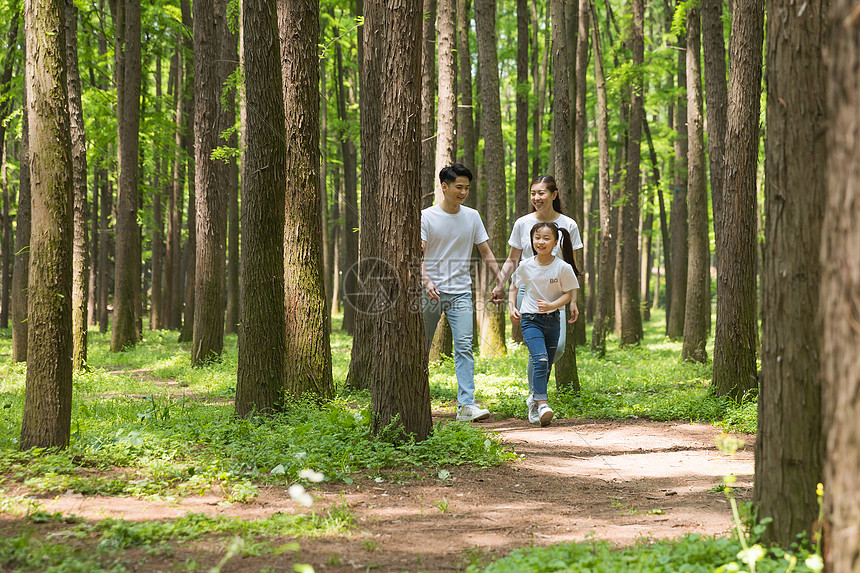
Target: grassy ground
(147, 424)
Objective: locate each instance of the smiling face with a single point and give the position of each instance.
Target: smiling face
(542, 198)
(456, 191)
(544, 241)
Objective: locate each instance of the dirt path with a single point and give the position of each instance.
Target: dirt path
(615, 480)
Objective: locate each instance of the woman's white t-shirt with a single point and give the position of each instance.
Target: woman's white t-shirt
(545, 282)
(521, 234)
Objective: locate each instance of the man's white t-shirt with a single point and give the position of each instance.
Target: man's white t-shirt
(521, 234)
(450, 240)
(544, 282)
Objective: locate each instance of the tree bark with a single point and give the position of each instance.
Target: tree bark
(108, 247)
(790, 440)
(124, 331)
(580, 138)
(399, 389)
(5, 109)
(466, 119)
(698, 305)
(173, 251)
(48, 392)
(716, 104)
(308, 347)
(737, 318)
(20, 270)
(493, 334)
(81, 247)
(428, 103)
(591, 250)
(186, 334)
(678, 225)
(156, 315)
(839, 313)
(210, 185)
(605, 292)
(631, 317)
(323, 184)
(521, 176)
(260, 376)
(539, 75)
(230, 61)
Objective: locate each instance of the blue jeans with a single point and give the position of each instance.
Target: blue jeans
(458, 309)
(562, 335)
(540, 333)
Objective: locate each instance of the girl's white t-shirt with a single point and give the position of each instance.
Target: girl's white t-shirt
(545, 282)
(521, 234)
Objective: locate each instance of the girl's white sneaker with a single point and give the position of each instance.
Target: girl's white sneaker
(545, 414)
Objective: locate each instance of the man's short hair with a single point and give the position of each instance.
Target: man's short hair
(449, 174)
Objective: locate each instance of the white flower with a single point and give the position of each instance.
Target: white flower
(311, 475)
(300, 496)
(815, 562)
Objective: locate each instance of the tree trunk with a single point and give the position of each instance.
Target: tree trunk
(156, 315)
(20, 269)
(521, 176)
(108, 247)
(308, 347)
(591, 250)
(323, 184)
(350, 207)
(428, 103)
(737, 317)
(260, 375)
(124, 331)
(5, 109)
(840, 286)
(209, 184)
(173, 254)
(465, 119)
(664, 227)
(539, 75)
(566, 374)
(580, 138)
(716, 104)
(790, 440)
(631, 316)
(605, 292)
(230, 61)
(190, 254)
(698, 305)
(81, 247)
(493, 335)
(399, 389)
(678, 226)
(48, 392)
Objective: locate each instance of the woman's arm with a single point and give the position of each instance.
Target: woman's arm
(509, 267)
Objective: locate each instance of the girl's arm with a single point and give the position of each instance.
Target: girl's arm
(544, 306)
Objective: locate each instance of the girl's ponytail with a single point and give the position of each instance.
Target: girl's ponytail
(567, 250)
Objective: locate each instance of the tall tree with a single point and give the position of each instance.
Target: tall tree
(735, 369)
(173, 248)
(188, 285)
(605, 295)
(230, 61)
(539, 75)
(521, 177)
(465, 118)
(678, 224)
(631, 316)
(698, 305)
(839, 314)
(579, 140)
(260, 374)
(428, 102)
(81, 248)
(399, 388)
(716, 104)
(127, 283)
(156, 315)
(209, 184)
(308, 346)
(790, 437)
(566, 373)
(493, 333)
(48, 391)
(5, 110)
(20, 271)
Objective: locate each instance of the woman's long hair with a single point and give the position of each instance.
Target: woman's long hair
(550, 186)
(566, 244)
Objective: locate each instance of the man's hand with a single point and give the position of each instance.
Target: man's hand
(432, 291)
(498, 294)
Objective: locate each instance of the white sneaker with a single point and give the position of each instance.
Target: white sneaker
(471, 412)
(534, 418)
(545, 414)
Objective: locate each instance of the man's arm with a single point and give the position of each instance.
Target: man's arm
(490, 261)
(432, 291)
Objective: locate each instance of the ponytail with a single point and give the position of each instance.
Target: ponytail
(567, 250)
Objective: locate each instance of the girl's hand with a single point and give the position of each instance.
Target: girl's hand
(515, 314)
(544, 306)
(574, 313)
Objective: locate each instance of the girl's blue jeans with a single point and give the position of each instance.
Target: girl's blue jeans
(540, 334)
(562, 336)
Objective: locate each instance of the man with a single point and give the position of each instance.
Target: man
(449, 232)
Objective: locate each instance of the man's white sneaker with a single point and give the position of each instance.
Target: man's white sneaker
(534, 418)
(471, 412)
(545, 414)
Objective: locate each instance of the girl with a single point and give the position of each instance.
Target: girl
(549, 285)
